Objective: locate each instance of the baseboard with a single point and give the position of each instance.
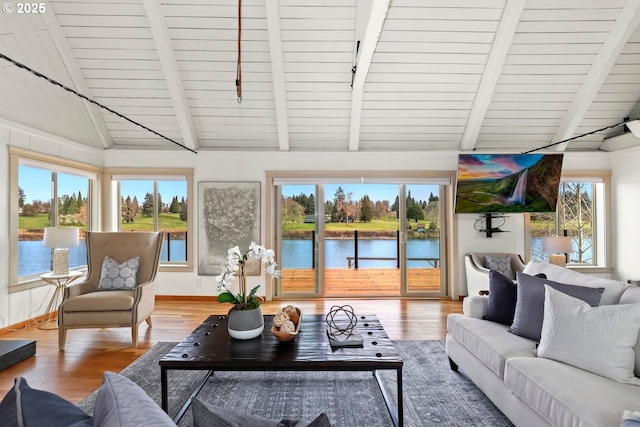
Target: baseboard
(25, 324)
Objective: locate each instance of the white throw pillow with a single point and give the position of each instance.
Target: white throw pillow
(596, 339)
(612, 288)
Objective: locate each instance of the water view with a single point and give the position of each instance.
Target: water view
(33, 258)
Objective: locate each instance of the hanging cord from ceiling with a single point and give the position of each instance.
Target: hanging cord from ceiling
(86, 98)
(239, 67)
(553, 144)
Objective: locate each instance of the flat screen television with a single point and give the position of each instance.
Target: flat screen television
(502, 183)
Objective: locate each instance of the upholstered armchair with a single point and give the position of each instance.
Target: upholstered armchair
(94, 303)
(477, 269)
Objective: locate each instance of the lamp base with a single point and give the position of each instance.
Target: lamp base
(60, 261)
(558, 259)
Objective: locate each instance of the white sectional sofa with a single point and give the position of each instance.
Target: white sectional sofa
(536, 391)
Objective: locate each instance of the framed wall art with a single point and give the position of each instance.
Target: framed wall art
(228, 215)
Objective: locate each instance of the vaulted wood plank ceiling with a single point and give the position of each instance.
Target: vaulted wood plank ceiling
(336, 75)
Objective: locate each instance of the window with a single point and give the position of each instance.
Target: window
(581, 215)
(47, 193)
(156, 203)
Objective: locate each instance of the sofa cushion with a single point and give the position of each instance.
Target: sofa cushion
(568, 396)
(631, 295)
(122, 403)
(24, 406)
(99, 301)
(489, 341)
(527, 321)
(501, 264)
(613, 289)
(596, 339)
(502, 298)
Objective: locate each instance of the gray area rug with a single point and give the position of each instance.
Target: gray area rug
(433, 394)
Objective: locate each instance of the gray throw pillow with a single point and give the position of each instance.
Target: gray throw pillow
(501, 264)
(122, 403)
(119, 277)
(529, 314)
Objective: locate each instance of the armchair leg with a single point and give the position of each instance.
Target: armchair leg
(62, 337)
(134, 335)
(149, 321)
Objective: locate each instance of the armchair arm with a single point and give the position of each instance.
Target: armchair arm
(475, 306)
(145, 295)
(79, 288)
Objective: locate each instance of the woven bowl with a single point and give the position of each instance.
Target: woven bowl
(287, 336)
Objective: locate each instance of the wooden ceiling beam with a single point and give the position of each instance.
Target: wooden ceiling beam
(377, 13)
(277, 73)
(169, 64)
(75, 73)
(624, 27)
(502, 42)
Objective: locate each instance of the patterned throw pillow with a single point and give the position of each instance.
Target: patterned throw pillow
(501, 264)
(119, 277)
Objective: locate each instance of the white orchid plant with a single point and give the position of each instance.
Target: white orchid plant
(236, 261)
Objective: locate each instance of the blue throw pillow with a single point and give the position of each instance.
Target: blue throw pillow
(529, 314)
(502, 298)
(24, 406)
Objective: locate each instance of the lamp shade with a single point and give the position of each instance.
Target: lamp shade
(55, 237)
(557, 244)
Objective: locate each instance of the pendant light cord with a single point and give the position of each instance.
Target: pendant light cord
(239, 66)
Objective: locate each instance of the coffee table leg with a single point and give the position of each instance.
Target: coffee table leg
(400, 404)
(164, 392)
(396, 419)
(193, 394)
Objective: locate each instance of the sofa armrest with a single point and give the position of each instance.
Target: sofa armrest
(475, 306)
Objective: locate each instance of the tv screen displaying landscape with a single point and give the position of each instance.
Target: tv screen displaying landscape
(508, 183)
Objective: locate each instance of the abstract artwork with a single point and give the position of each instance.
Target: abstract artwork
(228, 215)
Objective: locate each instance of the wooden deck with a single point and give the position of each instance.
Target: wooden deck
(364, 282)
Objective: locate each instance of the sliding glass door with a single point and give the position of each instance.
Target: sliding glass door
(343, 238)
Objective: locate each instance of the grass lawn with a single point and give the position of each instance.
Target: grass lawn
(376, 224)
(167, 221)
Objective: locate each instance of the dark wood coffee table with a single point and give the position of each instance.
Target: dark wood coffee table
(210, 348)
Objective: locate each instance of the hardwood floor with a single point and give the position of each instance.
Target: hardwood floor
(77, 371)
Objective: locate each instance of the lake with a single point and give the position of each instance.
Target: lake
(33, 258)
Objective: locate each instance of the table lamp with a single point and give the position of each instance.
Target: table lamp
(558, 247)
(61, 239)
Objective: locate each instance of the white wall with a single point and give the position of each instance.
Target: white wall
(625, 180)
(251, 166)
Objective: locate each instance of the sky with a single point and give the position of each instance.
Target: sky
(376, 192)
(493, 166)
(33, 182)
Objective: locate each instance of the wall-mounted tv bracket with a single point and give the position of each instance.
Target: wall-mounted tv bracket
(489, 227)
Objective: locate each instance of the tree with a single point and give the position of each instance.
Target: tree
(21, 197)
(147, 205)
(175, 206)
(183, 210)
(415, 212)
(338, 213)
(292, 211)
(366, 209)
(575, 212)
(159, 203)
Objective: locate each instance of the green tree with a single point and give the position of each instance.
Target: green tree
(183, 210)
(147, 205)
(21, 197)
(339, 206)
(366, 209)
(415, 212)
(292, 211)
(159, 203)
(175, 206)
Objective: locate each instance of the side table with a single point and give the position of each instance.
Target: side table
(60, 281)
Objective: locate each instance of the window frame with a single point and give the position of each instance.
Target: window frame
(602, 212)
(57, 165)
(112, 207)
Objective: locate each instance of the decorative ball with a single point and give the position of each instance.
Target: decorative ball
(290, 309)
(280, 318)
(294, 318)
(288, 326)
